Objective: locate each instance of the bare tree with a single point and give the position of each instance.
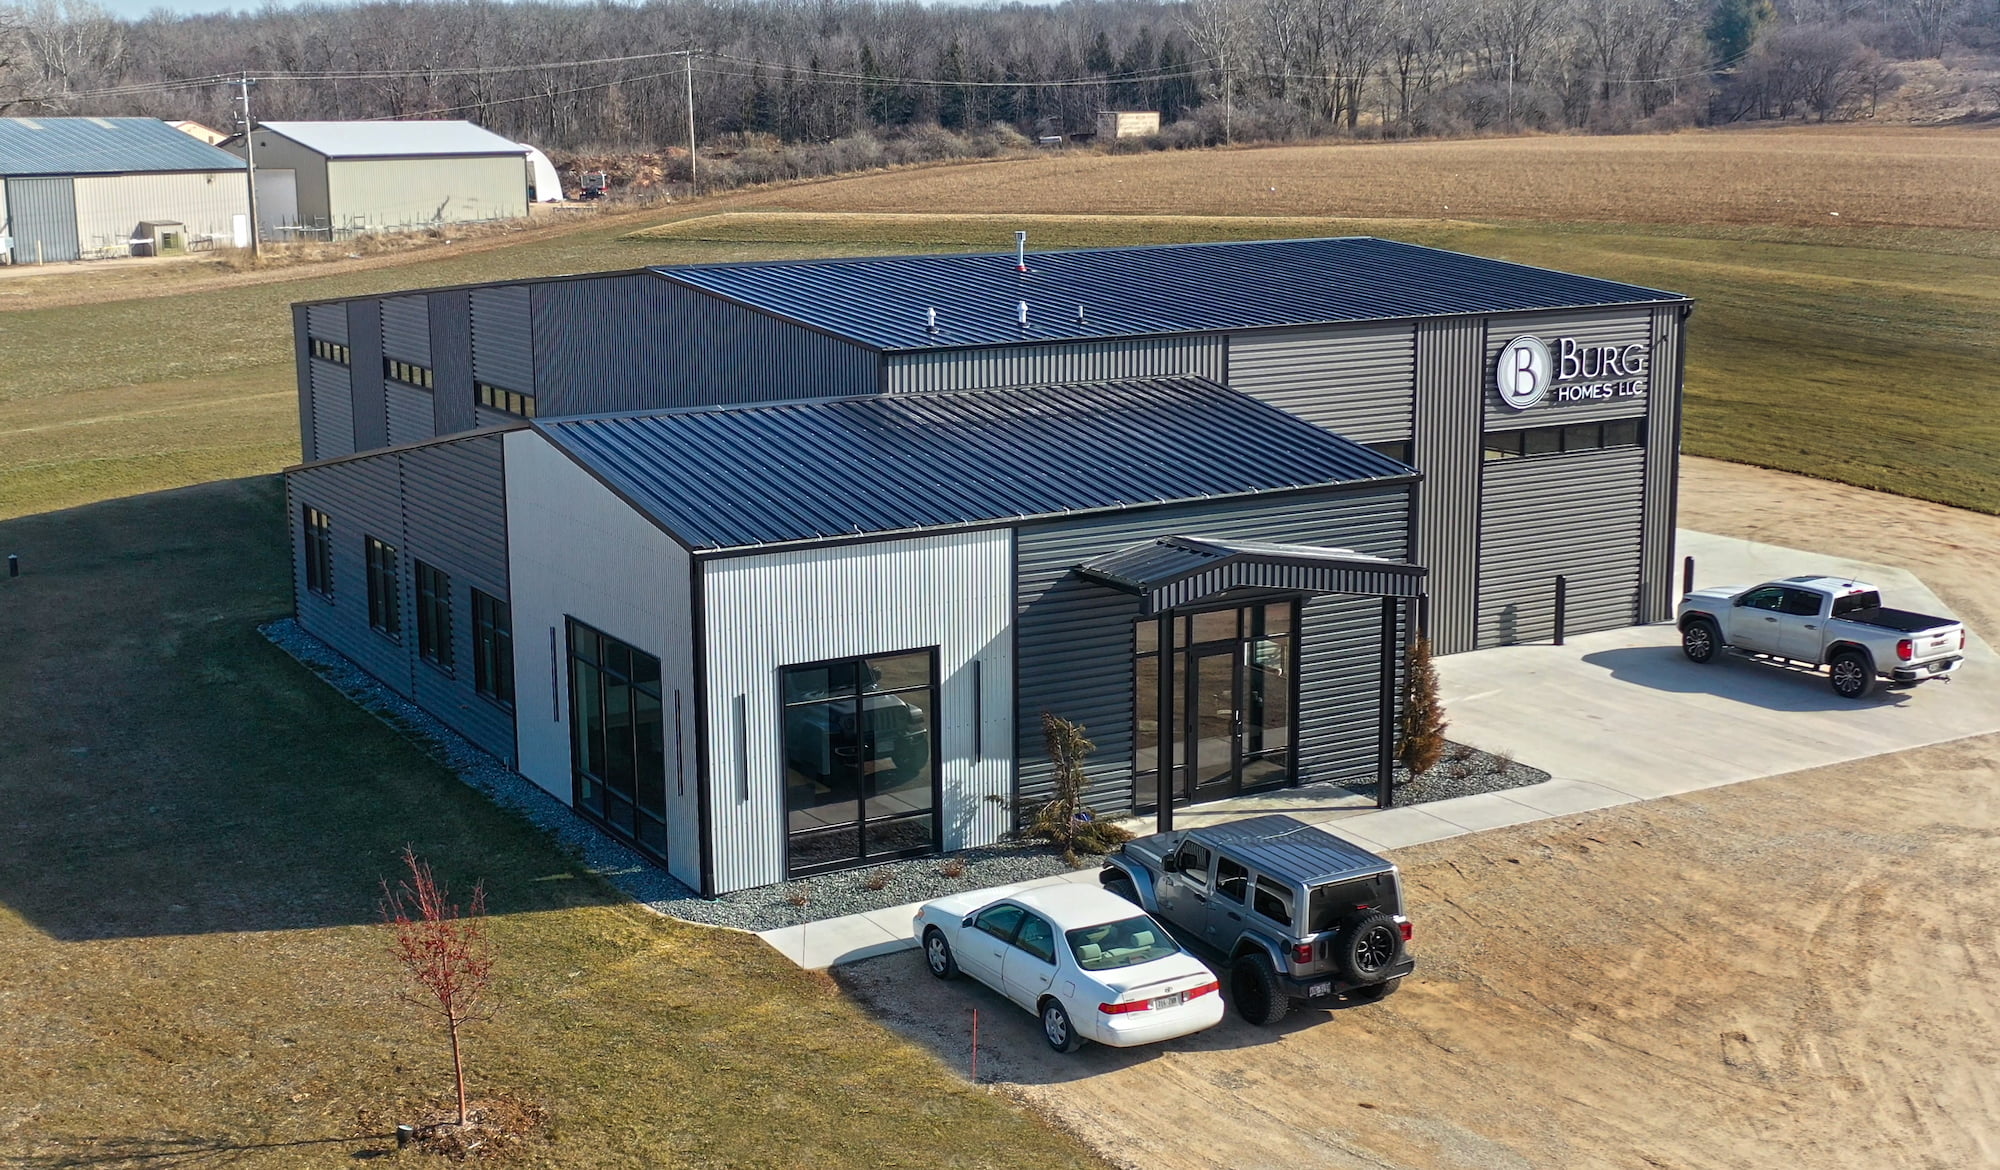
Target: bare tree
(445, 951)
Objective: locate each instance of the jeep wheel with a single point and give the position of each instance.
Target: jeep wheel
(1850, 675)
(1253, 988)
(1123, 888)
(1367, 947)
(1699, 640)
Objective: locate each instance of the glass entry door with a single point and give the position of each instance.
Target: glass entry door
(1231, 680)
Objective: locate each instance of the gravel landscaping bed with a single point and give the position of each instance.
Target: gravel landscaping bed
(1464, 771)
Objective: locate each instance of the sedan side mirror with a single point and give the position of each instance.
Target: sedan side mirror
(966, 921)
(1172, 864)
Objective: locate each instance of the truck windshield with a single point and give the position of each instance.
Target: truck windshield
(1124, 943)
(1856, 602)
(1336, 902)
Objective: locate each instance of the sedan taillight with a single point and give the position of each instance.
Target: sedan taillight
(1119, 1009)
(1209, 988)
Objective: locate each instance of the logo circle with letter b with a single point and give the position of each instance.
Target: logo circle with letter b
(1522, 373)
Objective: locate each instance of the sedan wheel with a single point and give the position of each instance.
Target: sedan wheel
(937, 954)
(1056, 1028)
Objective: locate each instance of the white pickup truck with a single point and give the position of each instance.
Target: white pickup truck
(1822, 621)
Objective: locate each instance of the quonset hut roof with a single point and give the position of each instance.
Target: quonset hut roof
(883, 302)
(423, 139)
(755, 476)
(104, 146)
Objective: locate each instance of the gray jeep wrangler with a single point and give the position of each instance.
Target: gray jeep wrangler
(1296, 912)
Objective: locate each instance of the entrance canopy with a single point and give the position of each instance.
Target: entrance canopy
(1181, 570)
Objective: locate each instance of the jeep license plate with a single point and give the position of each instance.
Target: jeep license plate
(1170, 1001)
(1319, 989)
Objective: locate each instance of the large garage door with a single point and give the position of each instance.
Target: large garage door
(43, 212)
(1574, 515)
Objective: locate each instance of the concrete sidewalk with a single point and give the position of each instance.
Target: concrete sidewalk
(1614, 717)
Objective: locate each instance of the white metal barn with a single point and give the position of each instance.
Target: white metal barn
(76, 188)
(334, 179)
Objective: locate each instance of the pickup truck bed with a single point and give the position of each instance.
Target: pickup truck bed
(1902, 621)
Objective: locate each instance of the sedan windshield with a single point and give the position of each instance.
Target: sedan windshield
(1120, 944)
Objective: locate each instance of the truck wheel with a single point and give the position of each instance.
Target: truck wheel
(1852, 675)
(1253, 988)
(1700, 640)
(1366, 948)
(1123, 888)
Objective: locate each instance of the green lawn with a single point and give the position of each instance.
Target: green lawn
(190, 973)
(1866, 356)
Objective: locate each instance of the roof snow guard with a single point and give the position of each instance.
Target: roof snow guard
(1181, 570)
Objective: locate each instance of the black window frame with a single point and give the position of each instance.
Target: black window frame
(330, 351)
(385, 590)
(408, 373)
(434, 615)
(603, 657)
(504, 400)
(318, 551)
(1563, 438)
(1401, 450)
(492, 648)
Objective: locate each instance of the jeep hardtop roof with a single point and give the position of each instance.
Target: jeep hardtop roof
(1286, 847)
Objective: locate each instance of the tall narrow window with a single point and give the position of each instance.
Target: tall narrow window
(493, 649)
(319, 552)
(618, 738)
(434, 615)
(860, 760)
(385, 603)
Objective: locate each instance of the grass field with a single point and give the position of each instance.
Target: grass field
(190, 973)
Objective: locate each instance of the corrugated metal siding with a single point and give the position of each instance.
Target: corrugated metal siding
(98, 146)
(1605, 327)
(109, 207)
(1354, 380)
(455, 518)
(332, 410)
(1446, 449)
(407, 193)
(503, 349)
(637, 342)
(43, 214)
(363, 497)
(451, 360)
(764, 612)
(302, 374)
(364, 374)
(1080, 361)
(328, 322)
(406, 329)
(1661, 576)
(576, 550)
(412, 415)
(1576, 515)
(483, 417)
(1074, 636)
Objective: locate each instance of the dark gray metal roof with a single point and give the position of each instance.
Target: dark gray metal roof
(1285, 846)
(1179, 570)
(104, 146)
(753, 476)
(1182, 288)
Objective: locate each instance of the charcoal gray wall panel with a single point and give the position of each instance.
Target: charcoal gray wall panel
(1659, 574)
(483, 417)
(1576, 515)
(503, 349)
(455, 519)
(1352, 379)
(371, 407)
(362, 497)
(302, 374)
(328, 322)
(1619, 327)
(1446, 449)
(1028, 365)
(412, 415)
(635, 341)
(1074, 637)
(451, 360)
(41, 216)
(333, 409)
(406, 329)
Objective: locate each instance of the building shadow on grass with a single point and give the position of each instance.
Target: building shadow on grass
(166, 770)
(178, 1150)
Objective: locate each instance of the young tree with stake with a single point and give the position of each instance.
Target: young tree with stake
(445, 951)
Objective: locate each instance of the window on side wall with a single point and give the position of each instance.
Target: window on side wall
(493, 648)
(385, 603)
(434, 615)
(319, 551)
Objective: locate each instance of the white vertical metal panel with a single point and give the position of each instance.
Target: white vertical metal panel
(576, 550)
(6, 231)
(390, 194)
(109, 207)
(954, 592)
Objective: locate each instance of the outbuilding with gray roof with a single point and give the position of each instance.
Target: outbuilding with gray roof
(335, 179)
(79, 188)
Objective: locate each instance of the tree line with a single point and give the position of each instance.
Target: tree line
(618, 75)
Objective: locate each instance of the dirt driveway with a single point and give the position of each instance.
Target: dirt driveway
(1802, 970)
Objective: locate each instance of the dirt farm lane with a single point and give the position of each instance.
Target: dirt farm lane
(1802, 970)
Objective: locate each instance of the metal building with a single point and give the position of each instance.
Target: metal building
(334, 179)
(76, 188)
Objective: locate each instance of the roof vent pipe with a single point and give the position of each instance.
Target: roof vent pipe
(1024, 314)
(1080, 318)
(1020, 251)
(930, 319)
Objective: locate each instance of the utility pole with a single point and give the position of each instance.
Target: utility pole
(694, 181)
(250, 151)
(1228, 102)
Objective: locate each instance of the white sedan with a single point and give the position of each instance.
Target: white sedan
(1089, 963)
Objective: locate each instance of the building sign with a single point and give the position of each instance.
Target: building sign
(1530, 372)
